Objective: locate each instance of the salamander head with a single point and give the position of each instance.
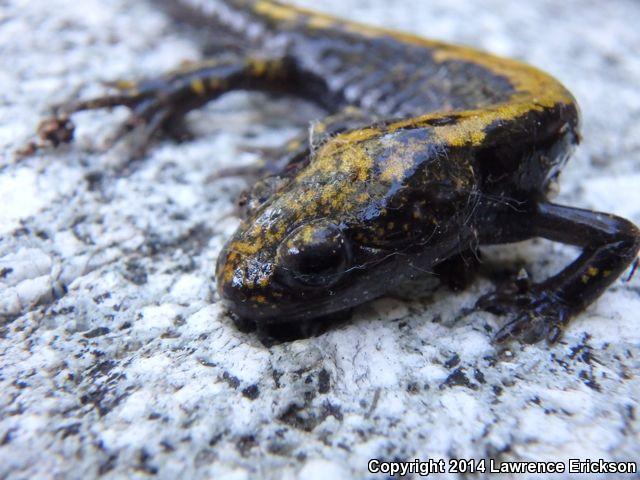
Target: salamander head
(341, 231)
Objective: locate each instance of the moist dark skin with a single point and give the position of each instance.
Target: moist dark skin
(429, 151)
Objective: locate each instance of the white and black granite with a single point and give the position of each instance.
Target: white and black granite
(115, 358)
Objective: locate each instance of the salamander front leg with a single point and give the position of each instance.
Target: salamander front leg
(287, 159)
(609, 245)
(160, 103)
(278, 165)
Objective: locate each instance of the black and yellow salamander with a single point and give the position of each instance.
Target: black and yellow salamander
(429, 151)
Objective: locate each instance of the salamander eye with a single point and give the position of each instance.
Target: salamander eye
(313, 255)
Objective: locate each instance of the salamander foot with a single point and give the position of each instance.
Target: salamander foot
(536, 314)
(152, 107)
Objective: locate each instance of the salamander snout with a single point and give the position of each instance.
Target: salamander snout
(290, 279)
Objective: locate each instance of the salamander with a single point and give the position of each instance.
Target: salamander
(428, 151)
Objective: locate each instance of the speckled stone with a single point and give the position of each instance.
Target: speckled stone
(116, 359)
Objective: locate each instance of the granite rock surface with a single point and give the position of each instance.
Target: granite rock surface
(116, 358)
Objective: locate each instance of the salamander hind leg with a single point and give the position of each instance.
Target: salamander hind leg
(538, 311)
(159, 104)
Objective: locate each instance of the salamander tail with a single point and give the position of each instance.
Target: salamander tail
(226, 25)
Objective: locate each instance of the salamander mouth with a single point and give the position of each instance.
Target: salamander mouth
(282, 312)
